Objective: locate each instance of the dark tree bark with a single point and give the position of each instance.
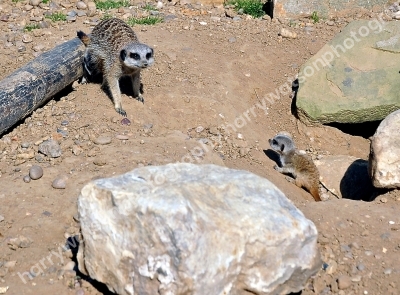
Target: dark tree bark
(38, 81)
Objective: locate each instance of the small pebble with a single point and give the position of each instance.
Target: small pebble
(361, 267)
(102, 140)
(1, 218)
(387, 271)
(125, 121)
(199, 129)
(81, 5)
(384, 200)
(69, 266)
(122, 137)
(35, 2)
(25, 145)
(59, 183)
(80, 292)
(35, 172)
(344, 282)
(47, 213)
(26, 179)
(50, 148)
(330, 23)
(100, 162)
(26, 38)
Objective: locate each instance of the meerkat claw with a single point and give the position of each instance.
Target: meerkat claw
(121, 112)
(140, 98)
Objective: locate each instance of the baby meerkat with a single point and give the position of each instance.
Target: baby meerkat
(113, 49)
(300, 166)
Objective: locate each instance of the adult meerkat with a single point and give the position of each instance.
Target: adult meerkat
(113, 49)
(300, 166)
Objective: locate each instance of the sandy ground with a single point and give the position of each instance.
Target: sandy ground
(206, 76)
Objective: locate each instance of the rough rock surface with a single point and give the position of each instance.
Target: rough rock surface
(354, 77)
(384, 159)
(194, 229)
(346, 177)
(323, 7)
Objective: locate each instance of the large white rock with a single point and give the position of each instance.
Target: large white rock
(194, 229)
(384, 158)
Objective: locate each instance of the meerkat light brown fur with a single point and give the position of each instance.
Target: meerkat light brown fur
(114, 50)
(300, 166)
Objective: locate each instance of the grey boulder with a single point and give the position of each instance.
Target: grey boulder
(194, 229)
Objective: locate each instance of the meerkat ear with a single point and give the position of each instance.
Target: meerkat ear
(122, 54)
(152, 51)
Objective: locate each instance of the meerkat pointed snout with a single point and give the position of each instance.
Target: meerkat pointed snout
(300, 166)
(113, 49)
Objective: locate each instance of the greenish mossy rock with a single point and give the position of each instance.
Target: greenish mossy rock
(354, 78)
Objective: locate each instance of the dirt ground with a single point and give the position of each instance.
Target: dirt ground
(209, 70)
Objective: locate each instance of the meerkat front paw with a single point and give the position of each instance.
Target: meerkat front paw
(277, 168)
(140, 98)
(121, 112)
(289, 179)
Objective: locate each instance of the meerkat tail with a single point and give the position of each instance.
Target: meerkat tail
(84, 38)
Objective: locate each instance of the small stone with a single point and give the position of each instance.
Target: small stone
(99, 162)
(330, 23)
(102, 140)
(365, 233)
(81, 5)
(26, 38)
(71, 18)
(236, 18)
(50, 148)
(287, 33)
(59, 183)
(232, 40)
(361, 267)
(356, 278)
(125, 121)
(1, 218)
(47, 213)
(122, 137)
(25, 145)
(142, 141)
(35, 172)
(72, 13)
(387, 271)
(344, 282)
(383, 200)
(4, 18)
(76, 150)
(159, 5)
(332, 267)
(80, 292)
(26, 179)
(35, 2)
(199, 129)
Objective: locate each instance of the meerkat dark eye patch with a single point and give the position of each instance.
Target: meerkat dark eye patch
(282, 147)
(274, 141)
(149, 55)
(134, 56)
(122, 54)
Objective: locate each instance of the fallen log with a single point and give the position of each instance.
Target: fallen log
(38, 81)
